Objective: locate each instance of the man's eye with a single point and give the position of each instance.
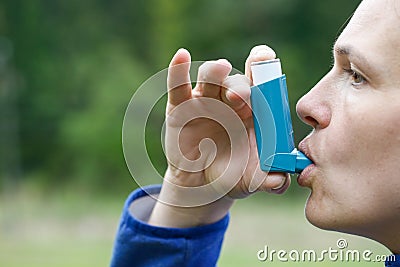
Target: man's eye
(356, 78)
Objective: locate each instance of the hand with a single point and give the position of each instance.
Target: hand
(231, 159)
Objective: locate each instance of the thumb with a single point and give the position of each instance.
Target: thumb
(258, 53)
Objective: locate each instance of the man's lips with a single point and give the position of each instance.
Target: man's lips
(304, 179)
(304, 147)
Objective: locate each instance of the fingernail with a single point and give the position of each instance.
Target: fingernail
(276, 181)
(224, 61)
(256, 182)
(263, 53)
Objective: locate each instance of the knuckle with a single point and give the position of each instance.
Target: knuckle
(237, 80)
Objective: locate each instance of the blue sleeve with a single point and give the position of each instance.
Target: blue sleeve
(140, 244)
(393, 261)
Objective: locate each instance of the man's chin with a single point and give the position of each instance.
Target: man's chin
(319, 217)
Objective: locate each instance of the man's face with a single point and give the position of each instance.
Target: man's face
(355, 144)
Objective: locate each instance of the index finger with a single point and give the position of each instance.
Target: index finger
(178, 80)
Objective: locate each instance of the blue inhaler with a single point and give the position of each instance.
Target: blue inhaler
(272, 121)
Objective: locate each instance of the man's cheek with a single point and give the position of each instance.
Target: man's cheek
(336, 148)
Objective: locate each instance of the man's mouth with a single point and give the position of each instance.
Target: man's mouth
(304, 178)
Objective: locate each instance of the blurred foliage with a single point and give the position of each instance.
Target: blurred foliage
(69, 68)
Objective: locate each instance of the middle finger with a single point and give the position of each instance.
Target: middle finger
(210, 77)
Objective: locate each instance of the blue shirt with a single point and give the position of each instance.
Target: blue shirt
(139, 244)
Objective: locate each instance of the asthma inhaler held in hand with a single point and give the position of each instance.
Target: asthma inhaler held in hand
(272, 121)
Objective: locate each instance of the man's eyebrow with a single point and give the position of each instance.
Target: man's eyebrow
(353, 55)
(342, 50)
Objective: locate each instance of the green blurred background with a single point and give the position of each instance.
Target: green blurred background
(67, 72)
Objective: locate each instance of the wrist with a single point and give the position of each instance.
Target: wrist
(166, 215)
(176, 206)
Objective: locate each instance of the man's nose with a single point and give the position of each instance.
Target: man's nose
(314, 107)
